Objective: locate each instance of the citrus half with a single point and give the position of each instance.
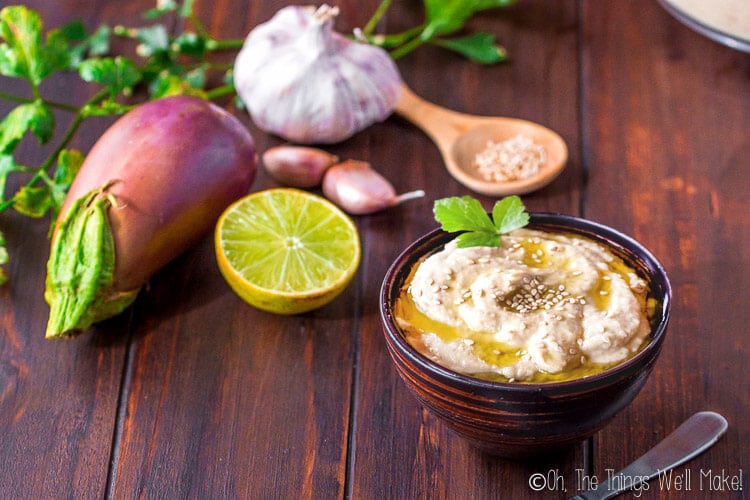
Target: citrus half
(286, 251)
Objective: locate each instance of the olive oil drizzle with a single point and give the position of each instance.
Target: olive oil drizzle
(415, 323)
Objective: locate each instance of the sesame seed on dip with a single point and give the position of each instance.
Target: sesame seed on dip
(541, 307)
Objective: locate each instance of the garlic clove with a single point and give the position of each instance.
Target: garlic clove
(298, 166)
(301, 80)
(359, 189)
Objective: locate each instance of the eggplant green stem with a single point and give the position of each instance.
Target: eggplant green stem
(80, 272)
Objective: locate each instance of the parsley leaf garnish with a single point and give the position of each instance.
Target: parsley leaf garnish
(466, 215)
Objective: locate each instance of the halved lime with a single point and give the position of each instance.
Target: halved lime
(286, 251)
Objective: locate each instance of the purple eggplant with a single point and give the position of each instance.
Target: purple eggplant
(152, 186)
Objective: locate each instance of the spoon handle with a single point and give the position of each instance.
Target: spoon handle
(443, 125)
(693, 437)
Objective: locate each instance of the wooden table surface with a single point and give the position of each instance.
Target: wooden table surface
(191, 393)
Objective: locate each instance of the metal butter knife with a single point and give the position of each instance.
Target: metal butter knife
(693, 437)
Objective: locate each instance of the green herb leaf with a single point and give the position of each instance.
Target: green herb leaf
(42, 122)
(14, 126)
(55, 55)
(68, 164)
(34, 116)
(196, 77)
(98, 42)
(74, 31)
(21, 29)
(478, 239)
(168, 85)
(509, 214)
(107, 107)
(69, 161)
(83, 44)
(117, 74)
(153, 39)
(33, 201)
(442, 18)
(448, 16)
(23, 55)
(191, 44)
(479, 47)
(7, 166)
(462, 214)
(466, 215)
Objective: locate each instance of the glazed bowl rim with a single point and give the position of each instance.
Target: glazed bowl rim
(576, 225)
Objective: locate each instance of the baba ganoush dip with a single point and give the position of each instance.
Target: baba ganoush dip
(540, 307)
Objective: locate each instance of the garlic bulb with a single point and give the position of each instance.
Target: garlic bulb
(303, 81)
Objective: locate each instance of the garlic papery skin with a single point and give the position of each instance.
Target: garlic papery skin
(301, 80)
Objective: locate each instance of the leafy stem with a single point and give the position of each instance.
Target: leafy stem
(224, 44)
(80, 115)
(444, 19)
(40, 173)
(221, 91)
(406, 47)
(197, 23)
(27, 100)
(376, 17)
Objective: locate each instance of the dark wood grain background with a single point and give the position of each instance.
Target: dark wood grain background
(193, 394)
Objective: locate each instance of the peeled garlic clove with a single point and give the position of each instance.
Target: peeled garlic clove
(301, 80)
(298, 166)
(359, 189)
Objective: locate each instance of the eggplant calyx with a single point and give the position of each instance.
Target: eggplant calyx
(80, 269)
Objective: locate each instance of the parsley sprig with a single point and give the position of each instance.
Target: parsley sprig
(466, 215)
(161, 64)
(443, 25)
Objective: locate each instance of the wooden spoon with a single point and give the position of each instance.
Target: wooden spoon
(460, 136)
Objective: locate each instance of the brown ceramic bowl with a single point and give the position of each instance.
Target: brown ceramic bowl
(523, 420)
